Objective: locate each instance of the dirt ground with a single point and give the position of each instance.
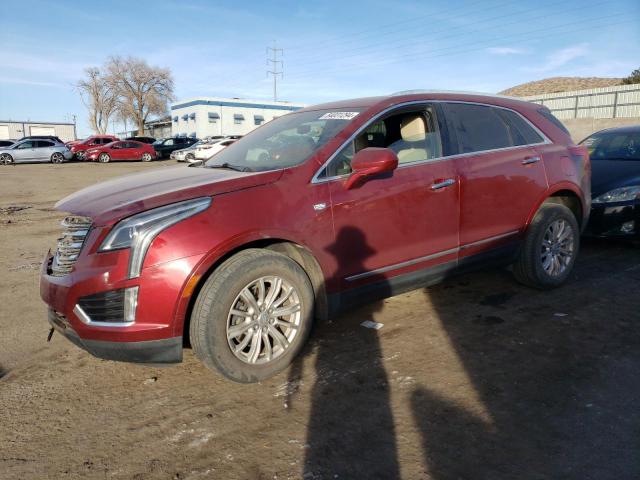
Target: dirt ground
(476, 378)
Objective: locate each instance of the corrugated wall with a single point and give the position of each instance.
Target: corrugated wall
(621, 101)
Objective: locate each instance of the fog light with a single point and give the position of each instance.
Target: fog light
(115, 308)
(628, 227)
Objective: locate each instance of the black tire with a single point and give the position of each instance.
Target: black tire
(528, 268)
(57, 158)
(208, 329)
(6, 159)
(104, 158)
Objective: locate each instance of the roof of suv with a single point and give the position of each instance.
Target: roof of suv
(409, 96)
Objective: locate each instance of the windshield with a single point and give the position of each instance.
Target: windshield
(285, 141)
(613, 146)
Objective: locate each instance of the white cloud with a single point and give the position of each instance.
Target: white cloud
(562, 57)
(506, 51)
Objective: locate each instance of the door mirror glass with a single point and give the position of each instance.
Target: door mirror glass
(369, 162)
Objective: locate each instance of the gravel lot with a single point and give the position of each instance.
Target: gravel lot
(476, 378)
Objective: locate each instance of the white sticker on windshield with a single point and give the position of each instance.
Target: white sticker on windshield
(339, 116)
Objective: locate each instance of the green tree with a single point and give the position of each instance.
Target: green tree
(633, 78)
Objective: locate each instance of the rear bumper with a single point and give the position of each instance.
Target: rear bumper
(164, 351)
(615, 220)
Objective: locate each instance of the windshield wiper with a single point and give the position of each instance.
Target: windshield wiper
(230, 167)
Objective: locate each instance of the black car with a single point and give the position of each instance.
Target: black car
(615, 182)
(6, 143)
(42, 137)
(165, 146)
(148, 140)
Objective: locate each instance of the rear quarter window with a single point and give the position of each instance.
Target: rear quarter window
(546, 113)
(521, 132)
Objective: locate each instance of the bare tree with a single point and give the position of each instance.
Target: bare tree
(99, 97)
(142, 90)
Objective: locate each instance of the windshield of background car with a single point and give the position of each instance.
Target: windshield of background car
(286, 141)
(613, 146)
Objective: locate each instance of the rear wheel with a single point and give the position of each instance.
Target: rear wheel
(146, 157)
(252, 316)
(104, 158)
(57, 157)
(550, 248)
(6, 159)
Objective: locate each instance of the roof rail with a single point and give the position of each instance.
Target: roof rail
(467, 92)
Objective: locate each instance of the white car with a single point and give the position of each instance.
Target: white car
(205, 152)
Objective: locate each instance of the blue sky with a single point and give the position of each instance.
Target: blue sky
(332, 49)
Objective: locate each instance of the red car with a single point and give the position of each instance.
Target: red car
(78, 149)
(121, 150)
(314, 212)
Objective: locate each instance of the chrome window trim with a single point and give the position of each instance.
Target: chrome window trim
(432, 256)
(316, 180)
(84, 318)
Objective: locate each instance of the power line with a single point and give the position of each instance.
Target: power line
(461, 31)
(455, 49)
(273, 63)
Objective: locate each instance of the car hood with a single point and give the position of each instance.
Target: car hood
(110, 201)
(609, 174)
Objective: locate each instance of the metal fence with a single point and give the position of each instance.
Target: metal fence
(621, 101)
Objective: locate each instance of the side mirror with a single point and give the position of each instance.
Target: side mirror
(371, 161)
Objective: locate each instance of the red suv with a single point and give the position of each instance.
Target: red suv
(121, 150)
(314, 212)
(79, 149)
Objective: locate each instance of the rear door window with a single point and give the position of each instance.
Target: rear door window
(43, 143)
(477, 127)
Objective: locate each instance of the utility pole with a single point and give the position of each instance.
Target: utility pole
(273, 63)
(75, 131)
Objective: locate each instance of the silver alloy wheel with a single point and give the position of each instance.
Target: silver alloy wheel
(146, 157)
(57, 158)
(264, 320)
(558, 247)
(103, 158)
(6, 159)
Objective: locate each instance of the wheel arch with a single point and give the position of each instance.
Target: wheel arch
(564, 194)
(296, 252)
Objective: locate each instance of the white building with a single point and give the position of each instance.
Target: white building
(205, 116)
(12, 129)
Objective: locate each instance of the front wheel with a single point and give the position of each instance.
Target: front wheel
(104, 158)
(6, 159)
(252, 316)
(146, 157)
(550, 248)
(57, 158)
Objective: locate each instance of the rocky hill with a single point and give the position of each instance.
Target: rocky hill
(559, 84)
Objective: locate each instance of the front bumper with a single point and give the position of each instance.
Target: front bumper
(156, 334)
(163, 351)
(621, 219)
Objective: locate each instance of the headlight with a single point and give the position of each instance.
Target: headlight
(623, 194)
(137, 232)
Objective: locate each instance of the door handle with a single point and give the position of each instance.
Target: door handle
(443, 184)
(530, 160)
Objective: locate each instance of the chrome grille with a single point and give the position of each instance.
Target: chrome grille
(75, 229)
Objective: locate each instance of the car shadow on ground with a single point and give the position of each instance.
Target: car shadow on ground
(554, 374)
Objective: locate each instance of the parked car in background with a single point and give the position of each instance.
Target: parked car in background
(165, 146)
(93, 141)
(6, 143)
(142, 139)
(615, 182)
(121, 150)
(208, 150)
(43, 137)
(186, 154)
(313, 212)
(43, 150)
